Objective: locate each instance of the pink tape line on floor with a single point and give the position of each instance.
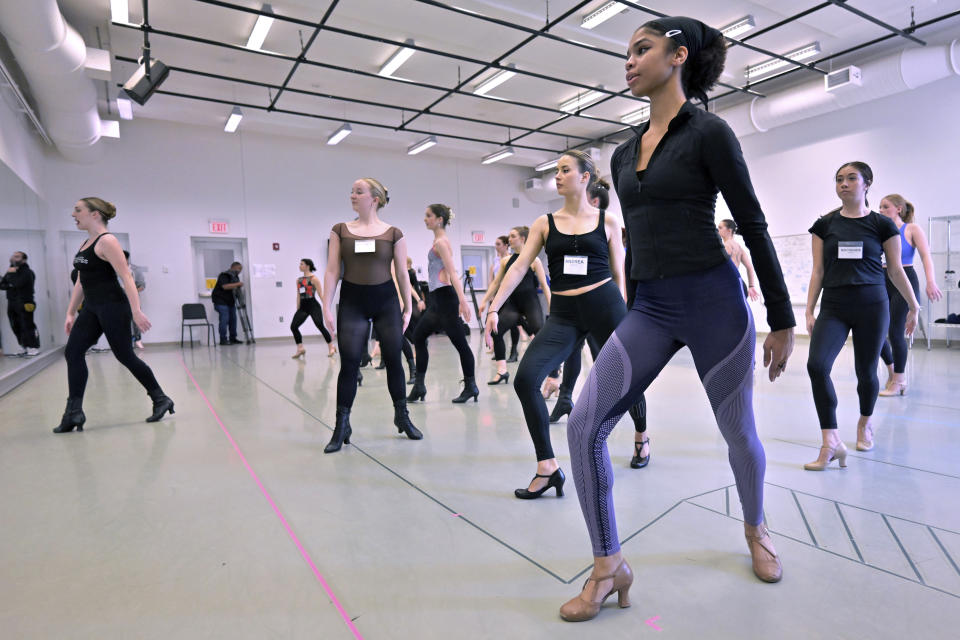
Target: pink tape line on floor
(276, 509)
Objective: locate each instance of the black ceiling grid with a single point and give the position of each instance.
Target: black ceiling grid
(557, 116)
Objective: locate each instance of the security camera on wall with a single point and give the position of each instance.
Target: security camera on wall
(140, 87)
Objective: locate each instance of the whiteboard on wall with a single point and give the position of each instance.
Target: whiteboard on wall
(796, 260)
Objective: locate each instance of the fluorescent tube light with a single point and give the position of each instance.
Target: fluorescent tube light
(580, 101)
(495, 80)
(260, 29)
(234, 120)
(635, 117)
(742, 25)
(119, 11)
(125, 108)
(549, 164)
(423, 145)
(340, 134)
(399, 56)
(601, 15)
(506, 152)
(775, 63)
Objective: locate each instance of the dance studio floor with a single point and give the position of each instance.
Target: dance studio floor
(226, 520)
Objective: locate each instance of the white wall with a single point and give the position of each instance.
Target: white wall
(20, 147)
(168, 180)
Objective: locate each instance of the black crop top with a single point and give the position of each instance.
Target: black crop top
(852, 248)
(527, 286)
(577, 260)
(670, 213)
(97, 276)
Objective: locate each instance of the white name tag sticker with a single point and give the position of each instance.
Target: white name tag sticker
(303, 289)
(850, 250)
(575, 265)
(364, 246)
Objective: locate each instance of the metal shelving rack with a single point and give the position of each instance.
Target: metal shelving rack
(949, 288)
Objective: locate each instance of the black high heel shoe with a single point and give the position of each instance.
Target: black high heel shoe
(382, 365)
(563, 407)
(161, 404)
(413, 371)
(365, 360)
(513, 357)
(359, 378)
(401, 418)
(501, 377)
(341, 431)
(556, 479)
(419, 391)
(73, 417)
(470, 390)
(637, 462)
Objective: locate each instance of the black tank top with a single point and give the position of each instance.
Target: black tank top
(97, 276)
(527, 286)
(569, 250)
(306, 288)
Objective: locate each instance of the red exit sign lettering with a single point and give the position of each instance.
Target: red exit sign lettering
(477, 236)
(219, 226)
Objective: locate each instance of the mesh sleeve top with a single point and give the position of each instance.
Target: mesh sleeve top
(366, 260)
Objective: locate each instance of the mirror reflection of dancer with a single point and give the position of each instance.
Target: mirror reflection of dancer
(444, 308)
(847, 245)
(585, 255)
(599, 196)
(502, 247)
(727, 228)
(688, 292)
(366, 248)
(912, 240)
(523, 305)
(308, 288)
(107, 310)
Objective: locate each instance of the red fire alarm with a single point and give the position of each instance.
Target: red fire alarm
(276, 246)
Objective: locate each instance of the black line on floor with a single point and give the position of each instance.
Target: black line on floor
(403, 479)
(944, 549)
(849, 534)
(893, 464)
(905, 554)
(936, 406)
(839, 555)
(804, 516)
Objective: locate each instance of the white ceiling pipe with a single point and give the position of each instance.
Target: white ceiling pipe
(893, 74)
(52, 55)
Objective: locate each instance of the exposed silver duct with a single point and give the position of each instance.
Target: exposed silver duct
(52, 55)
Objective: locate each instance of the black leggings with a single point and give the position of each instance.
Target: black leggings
(113, 320)
(863, 310)
(407, 338)
(359, 304)
(308, 308)
(897, 353)
(597, 312)
(443, 311)
(517, 311)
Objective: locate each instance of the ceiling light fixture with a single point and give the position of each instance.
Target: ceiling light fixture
(495, 80)
(775, 63)
(399, 56)
(601, 15)
(341, 133)
(423, 145)
(636, 117)
(234, 120)
(505, 152)
(125, 108)
(742, 25)
(549, 164)
(260, 29)
(120, 11)
(581, 100)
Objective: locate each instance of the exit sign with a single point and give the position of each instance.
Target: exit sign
(219, 226)
(477, 237)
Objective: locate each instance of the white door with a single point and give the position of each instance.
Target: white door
(213, 256)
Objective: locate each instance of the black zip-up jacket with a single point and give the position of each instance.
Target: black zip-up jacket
(19, 285)
(670, 215)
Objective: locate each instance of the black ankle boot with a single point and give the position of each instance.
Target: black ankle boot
(73, 417)
(341, 431)
(470, 390)
(161, 404)
(413, 370)
(382, 365)
(513, 355)
(564, 405)
(419, 391)
(359, 378)
(401, 418)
